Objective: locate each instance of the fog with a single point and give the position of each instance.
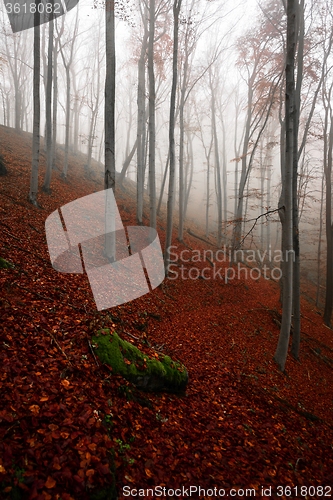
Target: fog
(231, 52)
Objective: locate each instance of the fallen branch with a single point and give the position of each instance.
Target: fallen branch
(34, 228)
(31, 253)
(14, 200)
(133, 336)
(199, 237)
(35, 293)
(326, 360)
(92, 351)
(56, 343)
(44, 297)
(11, 235)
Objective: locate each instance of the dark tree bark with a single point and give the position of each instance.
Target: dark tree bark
(127, 162)
(36, 120)
(48, 110)
(151, 114)
(109, 119)
(141, 120)
(297, 271)
(328, 147)
(110, 96)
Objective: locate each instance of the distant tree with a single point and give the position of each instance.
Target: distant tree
(194, 26)
(55, 92)
(207, 144)
(217, 163)
(93, 96)
(67, 58)
(17, 54)
(261, 62)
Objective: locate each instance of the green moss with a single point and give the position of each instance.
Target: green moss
(4, 264)
(160, 373)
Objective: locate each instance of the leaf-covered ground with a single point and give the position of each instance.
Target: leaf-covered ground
(69, 428)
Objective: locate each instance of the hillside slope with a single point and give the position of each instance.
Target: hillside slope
(68, 427)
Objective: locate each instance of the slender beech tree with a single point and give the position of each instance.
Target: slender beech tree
(172, 149)
(67, 62)
(17, 47)
(217, 165)
(141, 117)
(110, 96)
(55, 93)
(151, 114)
(48, 109)
(109, 127)
(286, 200)
(262, 73)
(328, 151)
(36, 118)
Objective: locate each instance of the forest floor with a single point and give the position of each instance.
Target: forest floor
(68, 427)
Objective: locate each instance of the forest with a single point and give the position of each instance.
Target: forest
(166, 257)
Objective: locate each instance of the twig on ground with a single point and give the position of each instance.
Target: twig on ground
(133, 336)
(92, 351)
(199, 237)
(56, 343)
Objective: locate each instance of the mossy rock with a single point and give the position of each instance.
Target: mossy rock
(150, 374)
(4, 264)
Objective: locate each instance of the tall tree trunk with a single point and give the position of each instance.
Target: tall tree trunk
(181, 149)
(172, 153)
(217, 165)
(141, 119)
(76, 115)
(244, 170)
(109, 117)
(224, 178)
(297, 271)
(163, 184)
(329, 234)
(152, 131)
(67, 65)
(127, 162)
(55, 104)
(286, 209)
(207, 194)
(67, 125)
(319, 241)
(36, 124)
(48, 112)
(189, 172)
(328, 146)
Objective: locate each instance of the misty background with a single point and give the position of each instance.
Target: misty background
(231, 57)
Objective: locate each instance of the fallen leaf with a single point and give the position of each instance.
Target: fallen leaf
(50, 482)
